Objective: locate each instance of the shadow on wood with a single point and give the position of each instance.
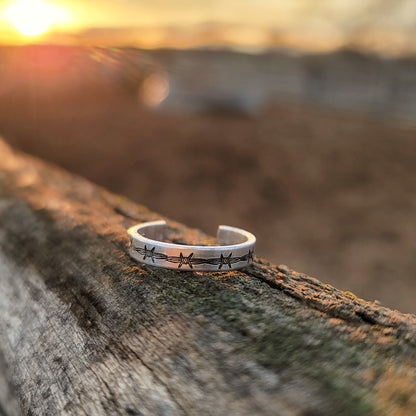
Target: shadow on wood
(86, 330)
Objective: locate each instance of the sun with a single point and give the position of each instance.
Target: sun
(34, 17)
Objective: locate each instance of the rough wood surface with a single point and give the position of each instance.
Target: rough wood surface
(86, 330)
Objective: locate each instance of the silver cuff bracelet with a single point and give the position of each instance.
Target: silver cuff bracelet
(235, 249)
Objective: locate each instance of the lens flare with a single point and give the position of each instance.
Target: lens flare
(154, 90)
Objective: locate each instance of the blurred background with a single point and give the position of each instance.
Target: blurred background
(293, 119)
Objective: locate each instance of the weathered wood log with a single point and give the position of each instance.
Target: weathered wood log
(86, 330)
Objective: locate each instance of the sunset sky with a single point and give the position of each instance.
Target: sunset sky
(385, 25)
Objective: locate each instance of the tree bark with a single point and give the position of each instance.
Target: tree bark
(86, 330)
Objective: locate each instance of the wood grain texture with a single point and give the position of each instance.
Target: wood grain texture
(86, 330)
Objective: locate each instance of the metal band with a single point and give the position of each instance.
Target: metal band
(235, 249)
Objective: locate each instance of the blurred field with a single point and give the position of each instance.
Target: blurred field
(330, 193)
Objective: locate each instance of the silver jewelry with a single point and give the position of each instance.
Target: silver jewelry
(235, 249)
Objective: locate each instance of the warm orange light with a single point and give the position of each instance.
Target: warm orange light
(34, 17)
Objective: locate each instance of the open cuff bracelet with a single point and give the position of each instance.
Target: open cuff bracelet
(235, 249)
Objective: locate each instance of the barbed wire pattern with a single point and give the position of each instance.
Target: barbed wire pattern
(190, 260)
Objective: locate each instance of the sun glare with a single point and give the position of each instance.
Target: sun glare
(34, 17)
